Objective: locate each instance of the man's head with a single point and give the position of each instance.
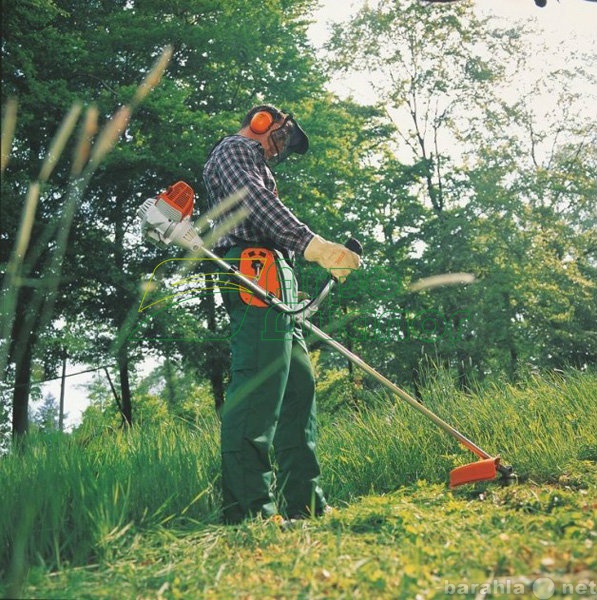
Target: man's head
(278, 132)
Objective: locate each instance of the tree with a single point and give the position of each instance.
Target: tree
(32, 72)
(225, 58)
(46, 416)
(491, 188)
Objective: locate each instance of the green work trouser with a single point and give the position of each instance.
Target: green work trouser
(269, 405)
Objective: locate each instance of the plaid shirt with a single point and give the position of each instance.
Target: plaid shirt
(238, 162)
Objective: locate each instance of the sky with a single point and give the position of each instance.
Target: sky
(567, 26)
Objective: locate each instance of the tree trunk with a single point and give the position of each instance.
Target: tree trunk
(217, 385)
(513, 360)
(20, 403)
(22, 344)
(171, 396)
(415, 378)
(126, 405)
(511, 342)
(348, 345)
(215, 367)
(463, 380)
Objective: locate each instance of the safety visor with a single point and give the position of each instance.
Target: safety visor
(299, 142)
(289, 138)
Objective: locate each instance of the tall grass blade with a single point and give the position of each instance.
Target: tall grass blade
(14, 274)
(59, 142)
(83, 149)
(107, 139)
(154, 76)
(9, 123)
(203, 222)
(109, 136)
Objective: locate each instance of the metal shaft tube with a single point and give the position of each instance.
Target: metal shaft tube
(358, 361)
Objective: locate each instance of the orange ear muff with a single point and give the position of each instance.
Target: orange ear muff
(261, 121)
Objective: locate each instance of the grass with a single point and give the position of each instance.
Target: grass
(540, 426)
(416, 542)
(135, 515)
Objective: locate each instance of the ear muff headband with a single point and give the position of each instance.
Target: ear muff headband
(261, 121)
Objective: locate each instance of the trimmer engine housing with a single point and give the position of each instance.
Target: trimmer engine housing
(167, 218)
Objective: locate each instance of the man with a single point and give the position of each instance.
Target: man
(270, 400)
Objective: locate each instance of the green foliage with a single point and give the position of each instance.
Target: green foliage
(480, 192)
(167, 394)
(221, 65)
(496, 188)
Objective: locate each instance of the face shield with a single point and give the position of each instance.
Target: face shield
(286, 139)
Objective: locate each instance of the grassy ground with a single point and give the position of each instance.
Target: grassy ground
(421, 541)
(136, 516)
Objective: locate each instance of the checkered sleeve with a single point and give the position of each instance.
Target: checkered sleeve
(243, 166)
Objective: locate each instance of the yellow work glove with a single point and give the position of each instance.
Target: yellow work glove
(337, 259)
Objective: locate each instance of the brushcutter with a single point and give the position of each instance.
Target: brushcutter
(166, 220)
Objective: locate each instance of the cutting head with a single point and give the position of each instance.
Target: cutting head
(482, 470)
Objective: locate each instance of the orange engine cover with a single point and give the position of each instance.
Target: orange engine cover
(259, 265)
(179, 197)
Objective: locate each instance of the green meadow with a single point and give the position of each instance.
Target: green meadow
(135, 514)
